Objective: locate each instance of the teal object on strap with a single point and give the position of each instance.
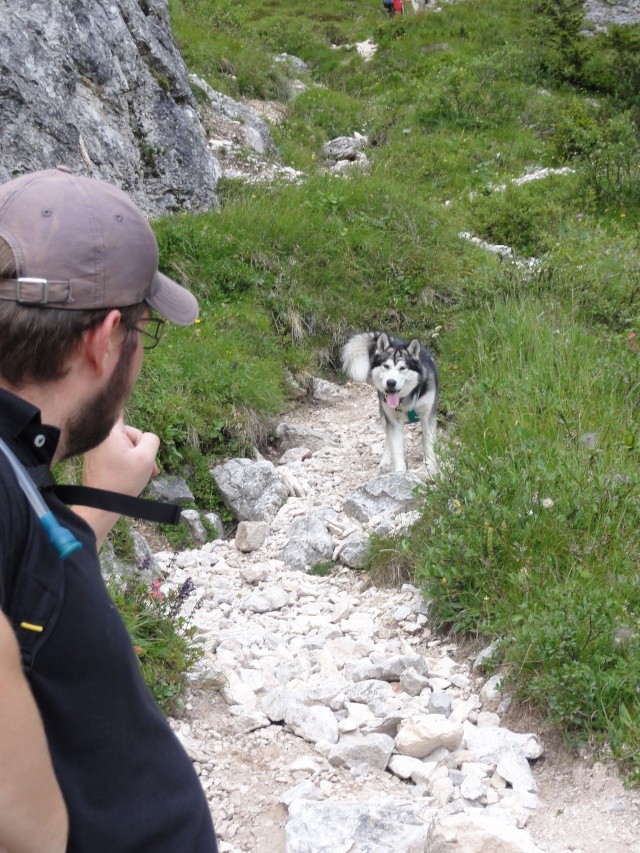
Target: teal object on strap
(62, 539)
(412, 416)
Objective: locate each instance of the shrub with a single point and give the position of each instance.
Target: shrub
(563, 47)
(605, 147)
(162, 636)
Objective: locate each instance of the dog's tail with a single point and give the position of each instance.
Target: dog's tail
(356, 361)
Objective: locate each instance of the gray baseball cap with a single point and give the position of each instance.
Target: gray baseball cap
(80, 243)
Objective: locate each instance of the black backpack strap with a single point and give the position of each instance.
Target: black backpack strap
(41, 476)
(163, 513)
(122, 504)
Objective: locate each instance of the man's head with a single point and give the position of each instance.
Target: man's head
(71, 249)
(78, 280)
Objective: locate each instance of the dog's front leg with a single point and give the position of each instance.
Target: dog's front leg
(385, 462)
(395, 445)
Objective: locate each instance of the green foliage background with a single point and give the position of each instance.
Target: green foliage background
(530, 534)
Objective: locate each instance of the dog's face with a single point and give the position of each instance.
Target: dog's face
(395, 371)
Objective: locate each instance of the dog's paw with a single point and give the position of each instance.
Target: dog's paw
(430, 469)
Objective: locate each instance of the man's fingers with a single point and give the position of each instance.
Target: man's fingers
(133, 434)
(149, 441)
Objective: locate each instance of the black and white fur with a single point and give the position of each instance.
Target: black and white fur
(406, 378)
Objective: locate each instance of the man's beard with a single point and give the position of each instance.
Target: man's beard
(90, 426)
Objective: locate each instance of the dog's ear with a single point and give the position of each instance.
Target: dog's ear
(414, 349)
(382, 343)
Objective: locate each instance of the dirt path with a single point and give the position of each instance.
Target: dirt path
(583, 805)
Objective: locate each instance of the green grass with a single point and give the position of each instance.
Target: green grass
(531, 534)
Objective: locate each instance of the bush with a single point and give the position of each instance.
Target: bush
(559, 34)
(606, 148)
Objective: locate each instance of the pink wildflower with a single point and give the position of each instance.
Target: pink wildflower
(155, 592)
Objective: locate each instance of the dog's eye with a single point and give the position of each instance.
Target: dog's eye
(402, 368)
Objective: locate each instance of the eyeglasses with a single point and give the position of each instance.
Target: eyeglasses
(152, 332)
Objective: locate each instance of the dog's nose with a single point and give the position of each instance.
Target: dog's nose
(391, 384)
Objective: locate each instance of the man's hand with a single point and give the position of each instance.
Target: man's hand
(124, 462)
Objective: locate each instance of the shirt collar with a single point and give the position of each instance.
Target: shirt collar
(21, 421)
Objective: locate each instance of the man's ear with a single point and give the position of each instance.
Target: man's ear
(101, 343)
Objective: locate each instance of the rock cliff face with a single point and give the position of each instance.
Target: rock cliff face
(602, 12)
(100, 86)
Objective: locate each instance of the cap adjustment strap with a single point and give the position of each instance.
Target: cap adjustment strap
(35, 291)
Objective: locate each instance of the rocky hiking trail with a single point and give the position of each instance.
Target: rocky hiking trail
(326, 714)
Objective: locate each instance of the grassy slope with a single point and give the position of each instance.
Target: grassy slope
(532, 534)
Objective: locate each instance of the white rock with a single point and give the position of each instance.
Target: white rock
(420, 735)
(491, 692)
(312, 724)
(477, 834)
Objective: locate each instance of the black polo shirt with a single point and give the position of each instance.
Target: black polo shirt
(128, 784)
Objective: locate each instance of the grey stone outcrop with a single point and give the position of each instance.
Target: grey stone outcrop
(309, 543)
(383, 827)
(102, 88)
(298, 65)
(214, 520)
(370, 750)
(386, 496)
(477, 834)
(344, 154)
(253, 491)
(422, 734)
(191, 519)
(171, 489)
(354, 552)
(252, 130)
(344, 147)
(621, 12)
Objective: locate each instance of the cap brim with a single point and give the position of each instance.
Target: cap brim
(172, 301)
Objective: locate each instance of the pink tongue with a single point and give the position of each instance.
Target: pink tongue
(393, 400)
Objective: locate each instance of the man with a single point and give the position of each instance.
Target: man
(87, 761)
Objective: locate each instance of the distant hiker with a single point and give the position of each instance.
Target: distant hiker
(398, 7)
(388, 5)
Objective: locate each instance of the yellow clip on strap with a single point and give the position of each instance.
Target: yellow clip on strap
(29, 626)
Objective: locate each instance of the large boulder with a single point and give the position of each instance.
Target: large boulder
(253, 491)
(385, 497)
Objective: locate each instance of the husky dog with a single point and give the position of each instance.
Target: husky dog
(406, 379)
